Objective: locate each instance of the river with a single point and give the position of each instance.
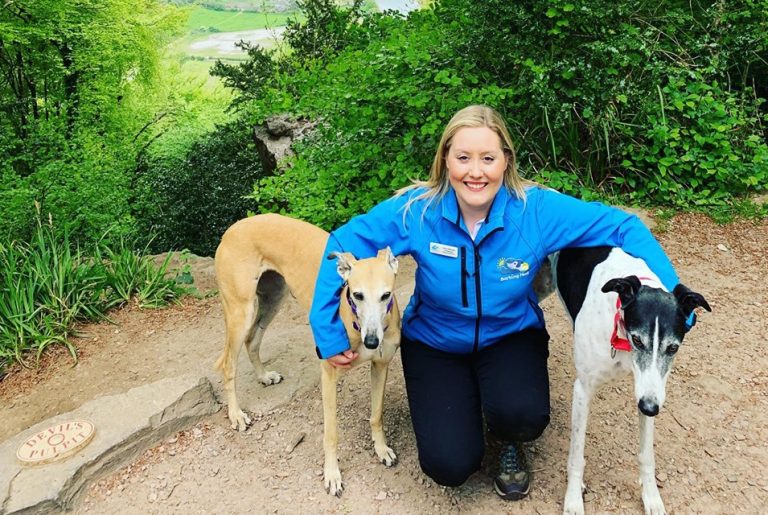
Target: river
(223, 43)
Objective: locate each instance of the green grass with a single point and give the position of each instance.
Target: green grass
(203, 20)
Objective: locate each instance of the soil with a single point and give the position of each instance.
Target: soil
(711, 452)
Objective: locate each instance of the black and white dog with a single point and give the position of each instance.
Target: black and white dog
(624, 320)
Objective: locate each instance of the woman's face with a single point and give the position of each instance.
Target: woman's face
(476, 165)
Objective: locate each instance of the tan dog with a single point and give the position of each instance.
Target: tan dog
(256, 259)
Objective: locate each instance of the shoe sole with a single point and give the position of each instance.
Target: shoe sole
(511, 496)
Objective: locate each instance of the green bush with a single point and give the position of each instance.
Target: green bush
(188, 201)
(587, 74)
(700, 147)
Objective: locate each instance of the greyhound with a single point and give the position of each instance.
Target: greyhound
(256, 259)
(640, 332)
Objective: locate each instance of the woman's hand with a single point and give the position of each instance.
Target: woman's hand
(343, 359)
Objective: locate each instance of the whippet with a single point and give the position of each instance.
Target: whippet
(624, 320)
(256, 259)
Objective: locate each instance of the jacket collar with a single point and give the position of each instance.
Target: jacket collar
(493, 221)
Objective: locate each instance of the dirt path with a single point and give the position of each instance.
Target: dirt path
(712, 434)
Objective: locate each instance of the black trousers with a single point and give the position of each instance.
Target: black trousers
(449, 394)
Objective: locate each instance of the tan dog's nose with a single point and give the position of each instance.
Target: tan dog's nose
(371, 341)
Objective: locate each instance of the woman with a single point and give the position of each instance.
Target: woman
(474, 345)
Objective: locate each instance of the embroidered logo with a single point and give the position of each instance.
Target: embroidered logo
(512, 268)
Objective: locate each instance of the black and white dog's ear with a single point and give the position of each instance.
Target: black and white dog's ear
(344, 262)
(689, 300)
(626, 287)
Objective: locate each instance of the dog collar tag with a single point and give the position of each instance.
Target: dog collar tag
(443, 250)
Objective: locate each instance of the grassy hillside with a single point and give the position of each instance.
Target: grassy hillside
(209, 20)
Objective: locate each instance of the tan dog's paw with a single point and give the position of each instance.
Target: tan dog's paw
(332, 481)
(270, 377)
(239, 419)
(386, 455)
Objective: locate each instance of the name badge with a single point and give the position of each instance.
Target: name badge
(443, 250)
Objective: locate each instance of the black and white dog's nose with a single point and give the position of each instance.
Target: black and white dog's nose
(648, 407)
(371, 341)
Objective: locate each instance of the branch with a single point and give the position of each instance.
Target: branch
(149, 124)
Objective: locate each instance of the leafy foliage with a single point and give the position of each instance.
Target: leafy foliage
(75, 90)
(588, 76)
(620, 100)
(48, 285)
(189, 200)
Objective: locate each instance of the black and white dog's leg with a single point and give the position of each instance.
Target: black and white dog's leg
(647, 460)
(582, 395)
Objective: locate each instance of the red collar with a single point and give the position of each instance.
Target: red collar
(619, 340)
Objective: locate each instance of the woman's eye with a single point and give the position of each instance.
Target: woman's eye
(358, 296)
(386, 296)
(462, 158)
(488, 159)
(637, 342)
(672, 349)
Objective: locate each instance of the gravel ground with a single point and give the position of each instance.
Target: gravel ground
(710, 442)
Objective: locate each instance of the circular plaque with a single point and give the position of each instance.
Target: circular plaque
(56, 442)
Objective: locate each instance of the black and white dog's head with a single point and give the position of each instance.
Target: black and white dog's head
(655, 324)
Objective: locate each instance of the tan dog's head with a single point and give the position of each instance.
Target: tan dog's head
(370, 292)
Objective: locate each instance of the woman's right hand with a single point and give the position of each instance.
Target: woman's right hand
(343, 359)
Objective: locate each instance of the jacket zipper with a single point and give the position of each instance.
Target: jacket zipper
(478, 295)
(464, 275)
(478, 299)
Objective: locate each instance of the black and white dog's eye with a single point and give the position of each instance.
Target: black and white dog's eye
(672, 349)
(637, 342)
(386, 296)
(358, 296)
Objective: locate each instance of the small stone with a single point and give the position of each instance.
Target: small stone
(661, 477)
(732, 479)
(722, 247)
(381, 496)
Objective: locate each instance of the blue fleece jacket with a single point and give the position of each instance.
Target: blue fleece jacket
(471, 293)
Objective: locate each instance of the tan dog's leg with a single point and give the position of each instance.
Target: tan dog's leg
(331, 473)
(378, 382)
(239, 320)
(270, 292)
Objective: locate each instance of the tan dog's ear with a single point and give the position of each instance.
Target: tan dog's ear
(344, 262)
(390, 258)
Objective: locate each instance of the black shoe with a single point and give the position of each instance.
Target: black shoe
(513, 481)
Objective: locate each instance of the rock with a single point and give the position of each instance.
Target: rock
(722, 247)
(274, 139)
(382, 495)
(126, 425)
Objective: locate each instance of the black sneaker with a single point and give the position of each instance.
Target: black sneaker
(513, 481)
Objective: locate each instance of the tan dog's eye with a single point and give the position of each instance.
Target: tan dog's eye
(386, 296)
(358, 296)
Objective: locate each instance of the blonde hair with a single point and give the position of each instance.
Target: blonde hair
(438, 183)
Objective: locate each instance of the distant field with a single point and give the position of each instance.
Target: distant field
(202, 19)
